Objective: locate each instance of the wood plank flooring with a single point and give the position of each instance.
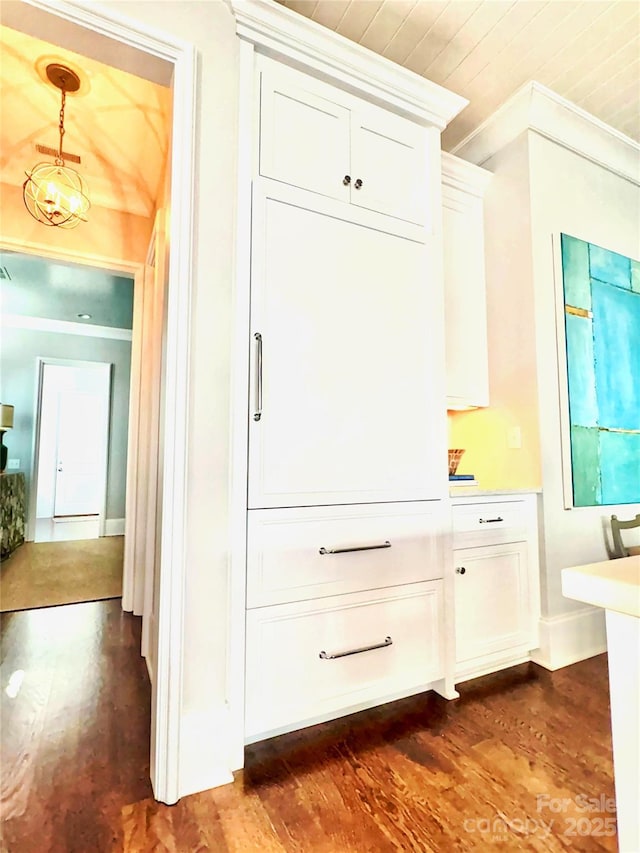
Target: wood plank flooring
(508, 766)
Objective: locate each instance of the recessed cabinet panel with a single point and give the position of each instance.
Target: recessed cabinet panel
(320, 657)
(389, 160)
(304, 138)
(491, 599)
(342, 374)
(309, 552)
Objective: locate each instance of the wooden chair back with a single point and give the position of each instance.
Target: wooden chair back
(619, 548)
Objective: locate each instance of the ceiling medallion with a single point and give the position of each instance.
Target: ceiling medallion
(55, 194)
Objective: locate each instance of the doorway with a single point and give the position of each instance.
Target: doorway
(132, 39)
(72, 434)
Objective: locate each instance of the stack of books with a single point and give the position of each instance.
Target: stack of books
(462, 480)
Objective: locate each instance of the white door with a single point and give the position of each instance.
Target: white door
(342, 365)
(83, 420)
(73, 435)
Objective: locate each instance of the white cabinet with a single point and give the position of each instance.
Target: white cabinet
(312, 552)
(344, 392)
(492, 600)
(497, 598)
(345, 420)
(314, 659)
(467, 365)
(320, 138)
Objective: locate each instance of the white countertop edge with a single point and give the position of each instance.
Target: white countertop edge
(476, 492)
(611, 584)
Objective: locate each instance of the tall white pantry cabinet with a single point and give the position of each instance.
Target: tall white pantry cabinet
(340, 470)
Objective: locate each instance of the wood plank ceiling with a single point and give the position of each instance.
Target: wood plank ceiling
(587, 51)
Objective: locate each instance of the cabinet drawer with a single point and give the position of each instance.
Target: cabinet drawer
(308, 660)
(311, 552)
(489, 523)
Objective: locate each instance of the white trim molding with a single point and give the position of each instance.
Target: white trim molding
(570, 637)
(64, 327)
(458, 174)
(167, 688)
(534, 107)
(279, 32)
(114, 527)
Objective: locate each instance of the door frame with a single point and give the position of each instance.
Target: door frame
(167, 687)
(41, 362)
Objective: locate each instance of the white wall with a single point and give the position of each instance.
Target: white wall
(573, 195)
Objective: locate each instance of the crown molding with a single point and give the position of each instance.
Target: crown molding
(458, 174)
(281, 33)
(536, 108)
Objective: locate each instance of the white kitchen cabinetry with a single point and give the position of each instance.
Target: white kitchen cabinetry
(463, 187)
(320, 138)
(316, 659)
(497, 598)
(345, 397)
(339, 476)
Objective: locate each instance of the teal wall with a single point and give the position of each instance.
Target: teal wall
(19, 350)
(38, 287)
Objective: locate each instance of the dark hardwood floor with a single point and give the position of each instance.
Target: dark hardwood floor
(513, 764)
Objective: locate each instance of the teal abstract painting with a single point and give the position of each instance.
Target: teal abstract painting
(602, 333)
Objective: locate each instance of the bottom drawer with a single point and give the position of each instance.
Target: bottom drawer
(314, 658)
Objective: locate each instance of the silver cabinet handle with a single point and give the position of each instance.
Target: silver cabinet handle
(490, 520)
(386, 642)
(385, 544)
(258, 412)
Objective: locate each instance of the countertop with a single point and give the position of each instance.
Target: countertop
(612, 584)
(476, 492)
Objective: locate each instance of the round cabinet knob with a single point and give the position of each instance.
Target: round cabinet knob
(358, 183)
(460, 570)
(346, 180)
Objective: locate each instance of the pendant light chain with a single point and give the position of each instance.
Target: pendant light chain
(60, 158)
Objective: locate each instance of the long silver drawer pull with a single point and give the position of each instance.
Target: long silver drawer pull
(385, 544)
(258, 412)
(386, 642)
(490, 520)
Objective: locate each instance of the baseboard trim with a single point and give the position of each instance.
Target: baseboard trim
(204, 751)
(114, 527)
(570, 637)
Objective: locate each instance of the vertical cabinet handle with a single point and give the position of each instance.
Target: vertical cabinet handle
(258, 412)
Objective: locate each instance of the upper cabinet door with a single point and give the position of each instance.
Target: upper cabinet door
(389, 159)
(304, 134)
(323, 139)
(467, 357)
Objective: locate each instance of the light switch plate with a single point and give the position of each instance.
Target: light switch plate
(13, 464)
(514, 438)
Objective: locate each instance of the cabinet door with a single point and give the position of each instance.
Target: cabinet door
(321, 658)
(304, 134)
(465, 300)
(345, 368)
(491, 600)
(389, 155)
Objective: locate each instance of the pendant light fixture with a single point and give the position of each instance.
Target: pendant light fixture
(54, 193)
